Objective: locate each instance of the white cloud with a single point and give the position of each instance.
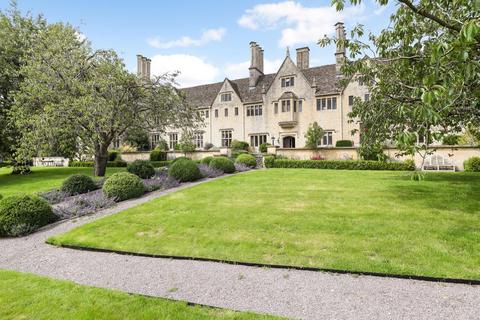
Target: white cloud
(80, 36)
(193, 70)
(300, 25)
(240, 70)
(210, 35)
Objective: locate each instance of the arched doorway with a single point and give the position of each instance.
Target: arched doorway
(288, 142)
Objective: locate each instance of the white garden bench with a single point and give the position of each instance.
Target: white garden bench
(438, 163)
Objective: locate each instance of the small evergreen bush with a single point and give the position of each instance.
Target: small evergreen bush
(263, 147)
(247, 159)
(224, 164)
(344, 143)
(158, 164)
(158, 155)
(180, 159)
(236, 153)
(116, 163)
(141, 168)
(122, 186)
(206, 160)
(78, 184)
(184, 170)
(21, 169)
(239, 145)
(23, 214)
(472, 164)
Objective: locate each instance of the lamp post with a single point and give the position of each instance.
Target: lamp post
(273, 141)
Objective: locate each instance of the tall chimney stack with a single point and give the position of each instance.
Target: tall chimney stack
(303, 58)
(340, 52)
(139, 65)
(148, 68)
(256, 64)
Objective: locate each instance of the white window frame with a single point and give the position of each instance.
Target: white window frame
(327, 139)
(257, 139)
(198, 138)
(225, 97)
(226, 135)
(172, 140)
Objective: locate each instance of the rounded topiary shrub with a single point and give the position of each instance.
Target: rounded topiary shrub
(123, 186)
(113, 155)
(142, 168)
(206, 160)
(23, 214)
(247, 159)
(184, 170)
(224, 164)
(158, 155)
(78, 184)
(180, 159)
(472, 164)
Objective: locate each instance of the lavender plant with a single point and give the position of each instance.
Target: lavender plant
(240, 167)
(209, 172)
(83, 204)
(54, 196)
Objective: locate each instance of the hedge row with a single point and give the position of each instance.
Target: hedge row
(5, 164)
(342, 164)
(117, 163)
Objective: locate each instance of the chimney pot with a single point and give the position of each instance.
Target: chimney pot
(340, 52)
(256, 64)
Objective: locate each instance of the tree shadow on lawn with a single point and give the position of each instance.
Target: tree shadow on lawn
(440, 191)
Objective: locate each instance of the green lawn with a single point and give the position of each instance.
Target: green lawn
(375, 221)
(27, 296)
(41, 179)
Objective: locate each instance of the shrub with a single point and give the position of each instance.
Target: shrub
(5, 164)
(206, 160)
(344, 143)
(116, 163)
(113, 155)
(184, 170)
(208, 146)
(268, 161)
(263, 147)
(162, 145)
(180, 159)
(472, 164)
(236, 153)
(123, 186)
(78, 184)
(451, 140)
(239, 145)
(247, 159)
(158, 155)
(158, 164)
(224, 164)
(343, 164)
(410, 164)
(1, 197)
(141, 168)
(372, 152)
(21, 169)
(23, 214)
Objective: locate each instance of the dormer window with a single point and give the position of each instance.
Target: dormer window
(288, 82)
(226, 97)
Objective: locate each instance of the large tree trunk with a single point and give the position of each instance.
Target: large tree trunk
(101, 158)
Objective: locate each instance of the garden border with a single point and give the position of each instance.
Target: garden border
(471, 282)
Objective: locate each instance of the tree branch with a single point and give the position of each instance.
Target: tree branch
(430, 16)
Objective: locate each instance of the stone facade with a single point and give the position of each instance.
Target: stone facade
(273, 108)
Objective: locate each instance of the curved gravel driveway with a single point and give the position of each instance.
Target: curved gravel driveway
(289, 293)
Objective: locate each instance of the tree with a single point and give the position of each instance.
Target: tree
(313, 136)
(17, 33)
(138, 138)
(423, 72)
(187, 144)
(91, 93)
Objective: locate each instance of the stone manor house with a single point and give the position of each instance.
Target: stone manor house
(272, 108)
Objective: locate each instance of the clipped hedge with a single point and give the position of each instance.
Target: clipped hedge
(6, 164)
(122, 186)
(113, 155)
(264, 147)
(158, 155)
(239, 145)
(224, 164)
(184, 170)
(158, 164)
(247, 159)
(472, 164)
(23, 214)
(116, 163)
(268, 161)
(344, 164)
(180, 159)
(344, 143)
(142, 168)
(78, 184)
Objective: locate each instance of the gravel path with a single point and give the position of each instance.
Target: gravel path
(289, 293)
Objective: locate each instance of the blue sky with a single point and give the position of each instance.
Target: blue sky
(207, 40)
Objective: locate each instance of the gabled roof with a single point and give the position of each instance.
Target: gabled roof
(204, 95)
